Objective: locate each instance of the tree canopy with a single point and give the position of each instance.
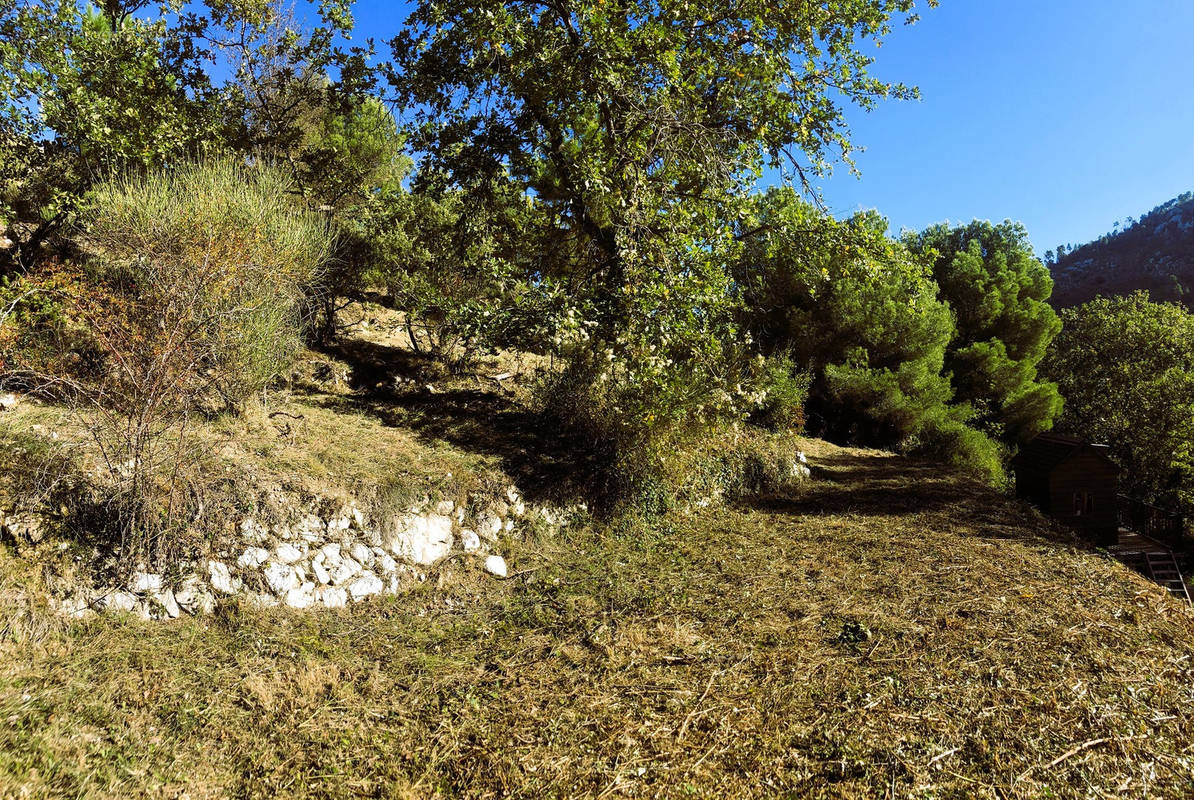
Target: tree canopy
(998, 292)
(1126, 368)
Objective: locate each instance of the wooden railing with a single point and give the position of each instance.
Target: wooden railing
(1158, 523)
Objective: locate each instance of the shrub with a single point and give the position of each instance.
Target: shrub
(952, 441)
(218, 249)
(637, 414)
(785, 389)
(189, 300)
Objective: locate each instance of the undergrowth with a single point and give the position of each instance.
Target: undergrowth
(886, 631)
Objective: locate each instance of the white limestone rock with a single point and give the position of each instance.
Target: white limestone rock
(252, 558)
(193, 598)
(311, 529)
(9, 401)
(332, 597)
(23, 527)
(288, 553)
(253, 531)
(220, 578)
(422, 538)
(113, 600)
(470, 542)
(361, 552)
(145, 583)
(386, 565)
(366, 585)
(320, 571)
(302, 596)
(330, 553)
(496, 565)
(167, 603)
(76, 607)
(445, 507)
(280, 578)
(344, 571)
(489, 525)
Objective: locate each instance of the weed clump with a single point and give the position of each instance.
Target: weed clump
(187, 298)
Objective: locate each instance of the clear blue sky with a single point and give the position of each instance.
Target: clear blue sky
(1066, 115)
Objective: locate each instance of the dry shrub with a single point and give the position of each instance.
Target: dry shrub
(188, 301)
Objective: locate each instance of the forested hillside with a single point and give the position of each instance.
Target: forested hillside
(1154, 253)
(458, 409)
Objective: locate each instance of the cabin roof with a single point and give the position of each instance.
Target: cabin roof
(1050, 450)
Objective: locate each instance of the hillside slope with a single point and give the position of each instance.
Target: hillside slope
(1155, 254)
(889, 630)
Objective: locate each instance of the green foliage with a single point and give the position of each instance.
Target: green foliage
(349, 154)
(861, 313)
(188, 302)
(1126, 368)
(225, 239)
(946, 438)
(849, 304)
(997, 290)
(785, 389)
(635, 419)
(460, 274)
(89, 94)
(637, 128)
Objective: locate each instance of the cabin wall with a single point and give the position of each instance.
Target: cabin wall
(1033, 486)
(1082, 493)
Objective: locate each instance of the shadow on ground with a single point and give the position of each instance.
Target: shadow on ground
(543, 461)
(550, 467)
(895, 486)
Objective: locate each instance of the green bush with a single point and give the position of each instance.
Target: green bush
(951, 441)
(217, 247)
(637, 418)
(189, 299)
(785, 390)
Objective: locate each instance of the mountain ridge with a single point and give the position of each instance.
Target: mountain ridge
(1154, 253)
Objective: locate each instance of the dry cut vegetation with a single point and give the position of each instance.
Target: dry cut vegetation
(889, 631)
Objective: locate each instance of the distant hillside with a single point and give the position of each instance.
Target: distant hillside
(1155, 253)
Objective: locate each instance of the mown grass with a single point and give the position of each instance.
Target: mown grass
(890, 631)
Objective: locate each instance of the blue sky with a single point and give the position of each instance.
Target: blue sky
(1066, 115)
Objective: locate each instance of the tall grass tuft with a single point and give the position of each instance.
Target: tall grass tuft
(221, 242)
(188, 298)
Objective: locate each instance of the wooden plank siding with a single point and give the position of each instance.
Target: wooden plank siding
(1082, 493)
(1073, 481)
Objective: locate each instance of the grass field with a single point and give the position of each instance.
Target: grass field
(888, 631)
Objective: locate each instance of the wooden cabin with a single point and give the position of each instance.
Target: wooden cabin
(1073, 481)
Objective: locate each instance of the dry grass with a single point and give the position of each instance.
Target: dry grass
(889, 632)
